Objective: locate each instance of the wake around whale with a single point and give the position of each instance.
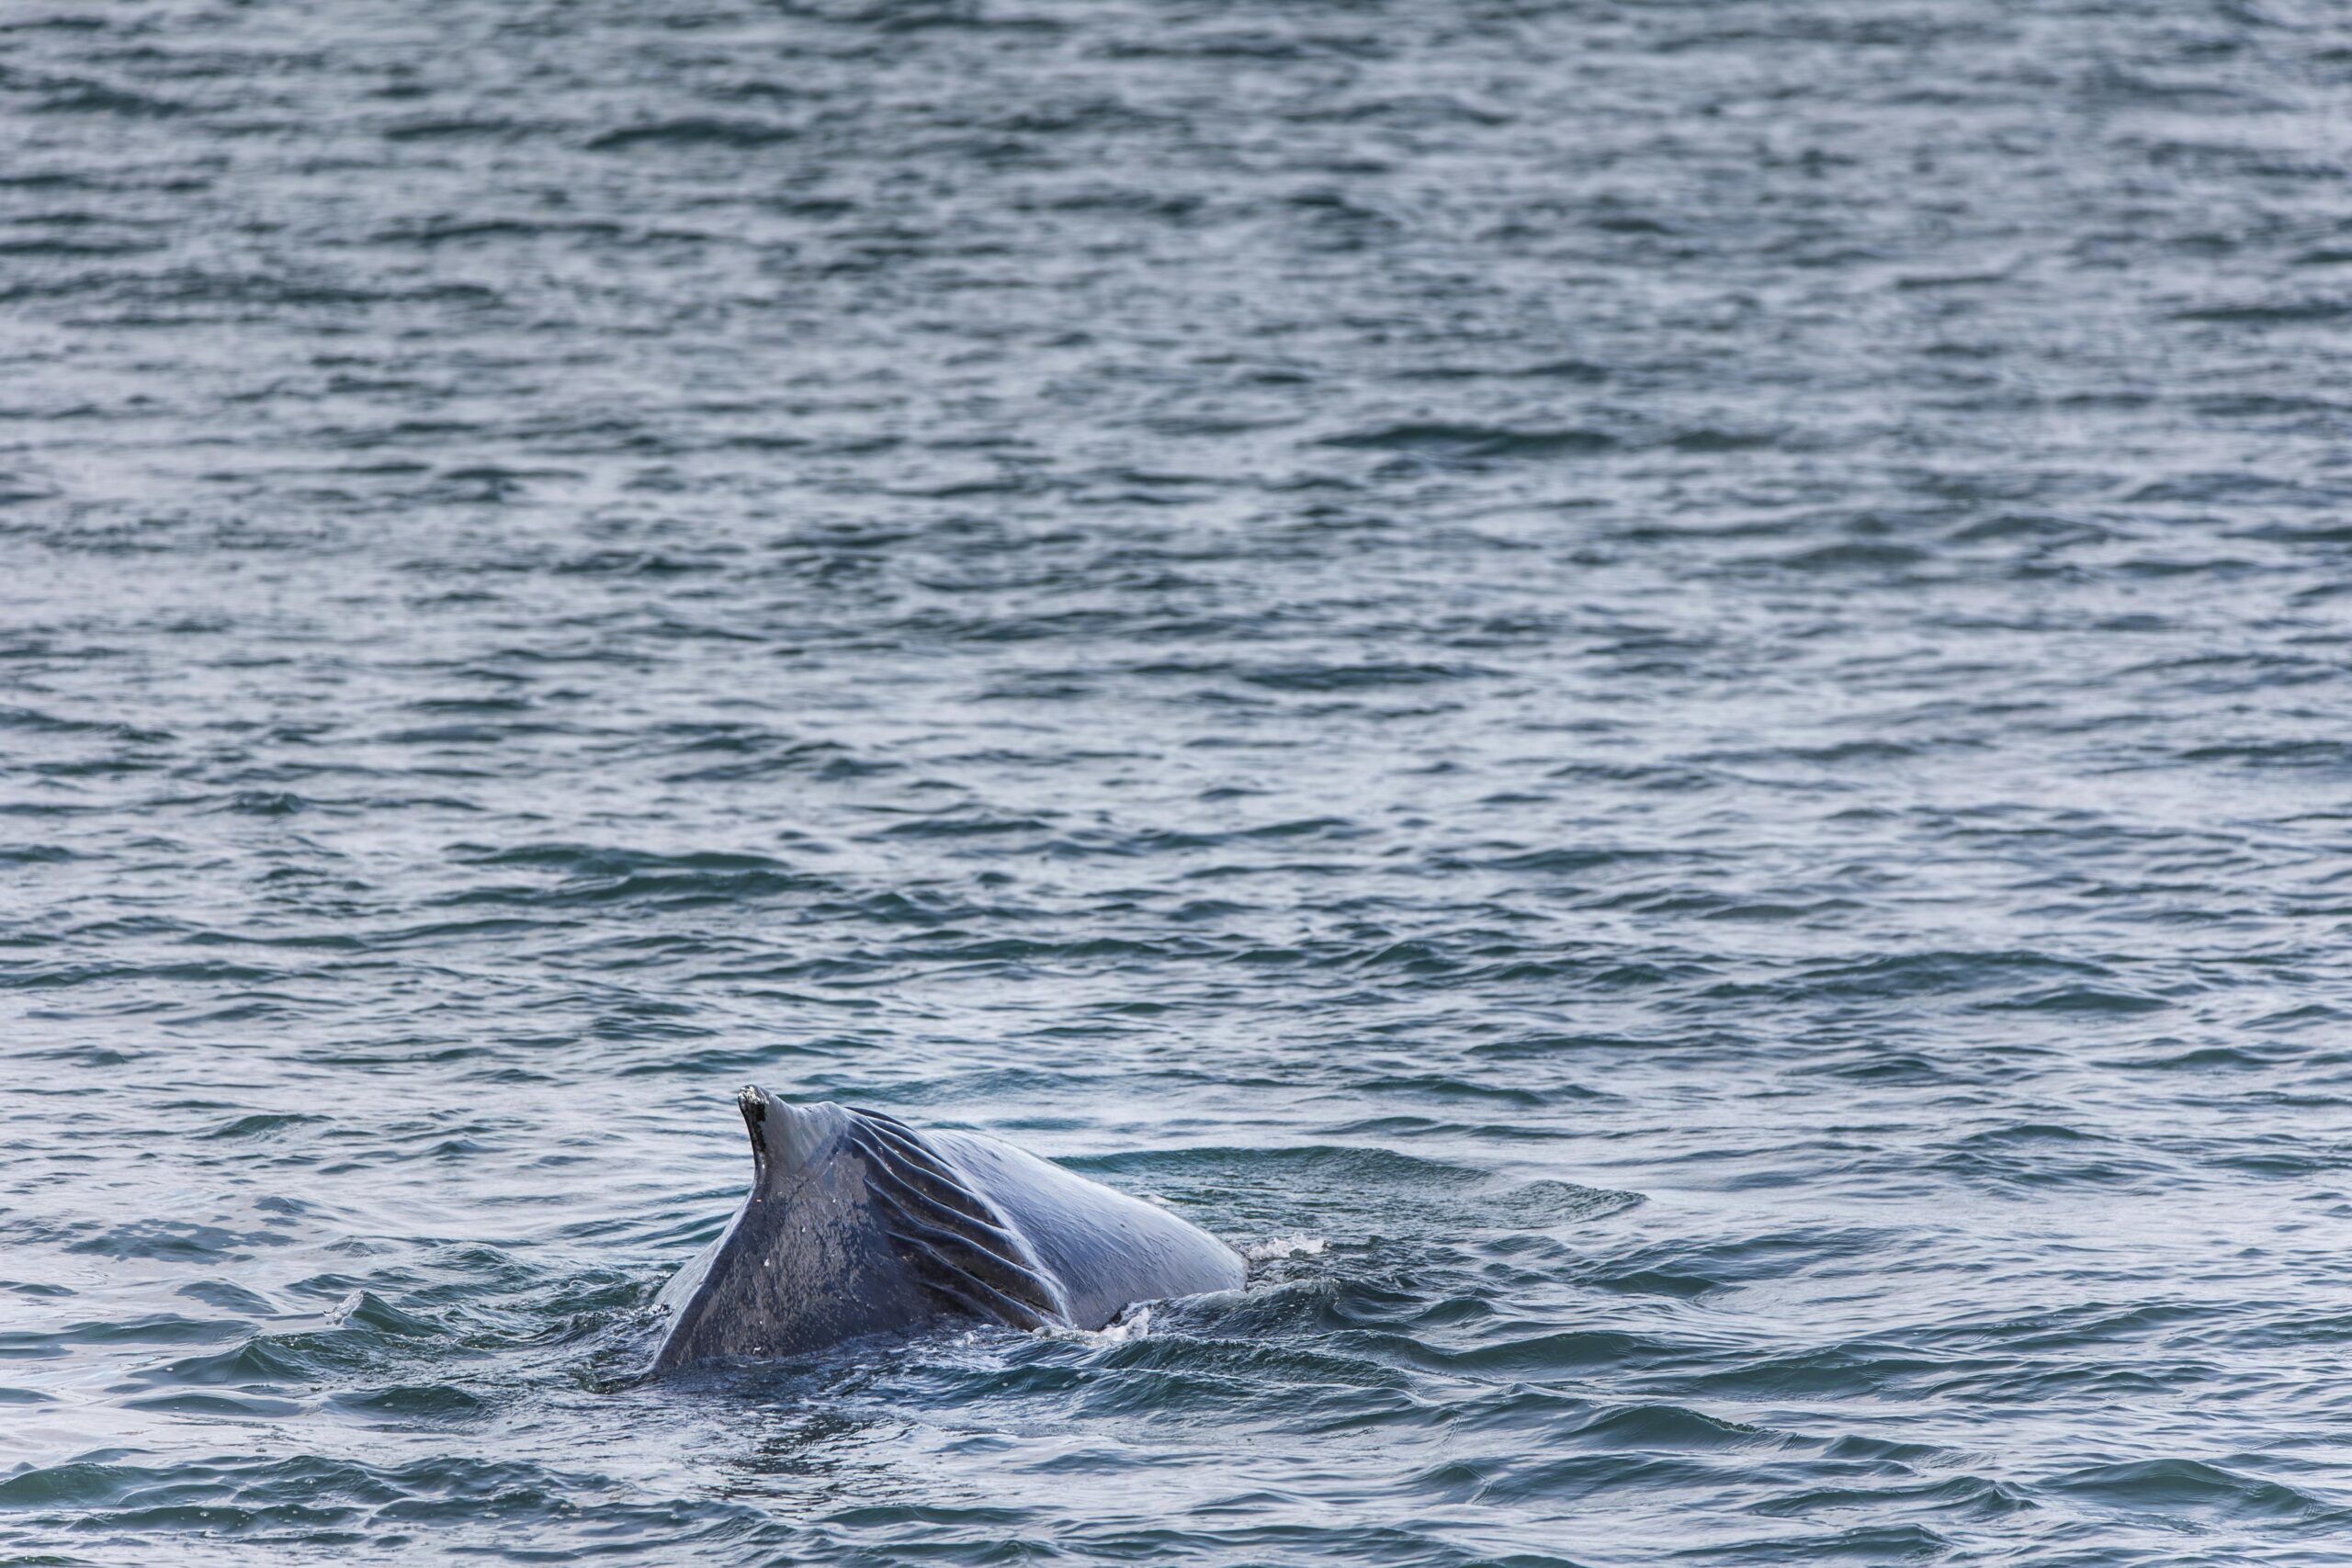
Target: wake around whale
(856, 1223)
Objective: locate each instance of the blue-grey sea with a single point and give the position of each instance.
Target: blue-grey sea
(1656, 694)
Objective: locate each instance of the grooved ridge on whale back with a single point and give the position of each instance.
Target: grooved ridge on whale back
(959, 1245)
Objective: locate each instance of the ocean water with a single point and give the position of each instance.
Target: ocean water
(1657, 693)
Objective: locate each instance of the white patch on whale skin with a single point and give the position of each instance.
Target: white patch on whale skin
(1272, 1247)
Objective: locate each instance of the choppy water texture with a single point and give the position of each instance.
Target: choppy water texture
(1674, 674)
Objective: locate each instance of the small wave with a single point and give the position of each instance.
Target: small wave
(1475, 442)
(2169, 1486)
(693, 130)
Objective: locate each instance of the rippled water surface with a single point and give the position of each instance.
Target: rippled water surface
(1657, 694)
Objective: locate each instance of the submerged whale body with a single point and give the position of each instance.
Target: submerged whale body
(857, 1223)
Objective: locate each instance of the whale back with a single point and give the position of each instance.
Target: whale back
(857, 1223)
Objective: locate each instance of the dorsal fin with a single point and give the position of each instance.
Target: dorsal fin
(785, 1137)
(958, 1244)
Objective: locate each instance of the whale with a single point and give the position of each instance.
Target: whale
(859, 1224)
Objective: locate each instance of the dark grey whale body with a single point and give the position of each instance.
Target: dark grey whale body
(857, 1223)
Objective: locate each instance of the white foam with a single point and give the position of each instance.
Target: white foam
(1133, 1324)
(1284, 1247)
